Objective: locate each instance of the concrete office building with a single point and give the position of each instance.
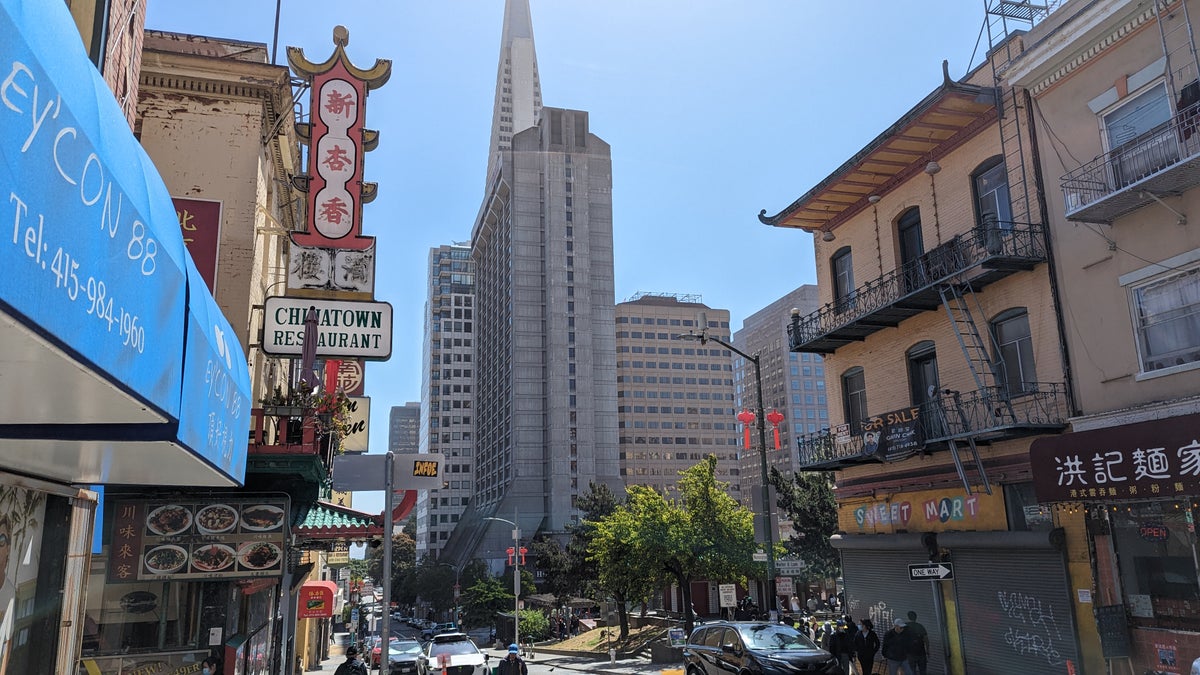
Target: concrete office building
(404, 422)
(546, 413)
(446, 423)
(793, 383)
(674, 397)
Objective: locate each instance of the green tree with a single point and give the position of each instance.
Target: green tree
(404, 553)
(707, 534)
(614, 548)
(535, 625)
(483, 600)
(807, 498)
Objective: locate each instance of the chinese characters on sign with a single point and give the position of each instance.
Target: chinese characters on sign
(197, 539)
(893, 436)
(1147, 460)
(200, 223)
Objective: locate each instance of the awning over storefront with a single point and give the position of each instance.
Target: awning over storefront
(325, 522)
(316, 600)
(116, 365)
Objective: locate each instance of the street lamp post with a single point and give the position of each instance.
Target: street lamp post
(457, 574)
(704, 337)
(516, 533)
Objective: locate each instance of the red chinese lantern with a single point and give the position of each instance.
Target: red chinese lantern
(746, 418)
(775, 417)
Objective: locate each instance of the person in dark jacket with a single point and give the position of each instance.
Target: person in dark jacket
(513, 664)
(896, 649)
(841, 645)
(352, 665)
(866, 645)
(918, 654)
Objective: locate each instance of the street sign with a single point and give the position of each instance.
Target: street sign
(788, 567)
(728, 594)
(783, 586)
(931, 572)
(759, 557)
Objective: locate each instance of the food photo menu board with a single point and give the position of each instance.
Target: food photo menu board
(197, 539)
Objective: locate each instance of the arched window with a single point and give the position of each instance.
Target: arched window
(911, 248)
(1014, 351)
(841, 266)
(993, 206)
(854, 397)
(922, 372)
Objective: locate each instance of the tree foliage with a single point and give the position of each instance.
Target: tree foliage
(648, 540)
(483, 599)
(808, 500)
(404, 553)
(568, 571)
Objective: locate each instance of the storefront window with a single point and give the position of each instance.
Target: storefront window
(22, 516)
(139, 617)
(1155, 544)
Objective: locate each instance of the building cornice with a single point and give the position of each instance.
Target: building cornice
(1076, 41)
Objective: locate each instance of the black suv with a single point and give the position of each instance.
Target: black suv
(755, 648)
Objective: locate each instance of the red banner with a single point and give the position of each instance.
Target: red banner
(200, 222)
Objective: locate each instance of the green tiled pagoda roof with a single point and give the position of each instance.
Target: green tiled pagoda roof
(323, 518)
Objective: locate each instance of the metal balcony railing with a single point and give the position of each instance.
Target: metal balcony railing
(291, 431)
(996, 250)
(989, 414)
(1164, 160)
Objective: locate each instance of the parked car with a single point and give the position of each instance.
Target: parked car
(375, 655)
(464, 658)
(403, 656)
(754, 648)
(438, 629)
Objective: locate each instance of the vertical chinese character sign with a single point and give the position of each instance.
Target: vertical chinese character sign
(337, 140)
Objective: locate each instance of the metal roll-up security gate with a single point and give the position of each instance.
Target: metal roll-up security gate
(1014, 602)
(877, 586)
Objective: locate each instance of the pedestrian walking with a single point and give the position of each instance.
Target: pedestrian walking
(896, 649)
(866, 645)
(841, 645)
(512, 664)
(918, 645)
(352, 665)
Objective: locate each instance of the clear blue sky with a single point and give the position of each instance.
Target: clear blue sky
(714, 110)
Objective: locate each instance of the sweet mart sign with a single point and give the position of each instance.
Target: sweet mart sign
(345, 328)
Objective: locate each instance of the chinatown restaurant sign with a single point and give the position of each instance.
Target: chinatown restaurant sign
(132, 374)
(345, 328)
(1159, 459)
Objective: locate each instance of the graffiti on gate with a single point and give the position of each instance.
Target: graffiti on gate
(881, 615)
(1032, 629)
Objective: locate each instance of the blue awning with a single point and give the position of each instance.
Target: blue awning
(107, 335)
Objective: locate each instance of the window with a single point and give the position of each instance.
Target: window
(1128, 131)
(1156, 559)
(993, 208)
(1167, 320)
(922, 372)
(1015, 351)
(854, 397)
(843, 276)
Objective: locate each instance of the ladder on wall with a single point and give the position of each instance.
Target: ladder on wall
(1004, 20)
(1179, 49)
(985, 371)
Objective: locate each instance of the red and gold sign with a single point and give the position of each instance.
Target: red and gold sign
(337, 140)
(200, 223)
(316, 600)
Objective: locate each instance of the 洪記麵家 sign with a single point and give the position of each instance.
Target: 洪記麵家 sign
(1158, 459)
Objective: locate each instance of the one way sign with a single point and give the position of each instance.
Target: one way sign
(931, 572)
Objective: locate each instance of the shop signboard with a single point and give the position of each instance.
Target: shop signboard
(345, 328)
(924, 511)
(316, 600)
(1159, 459)
(200, 225)
(92, 255)
(894, 435)
(99, 295)
(359, 422)
(197, 539)
(169, 663)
